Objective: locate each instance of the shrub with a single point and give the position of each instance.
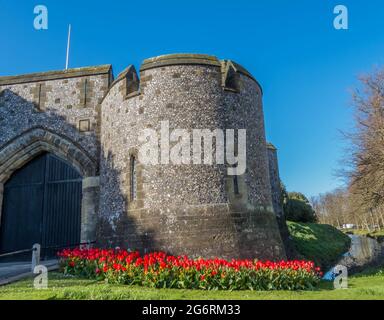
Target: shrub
(160, 270)
(297, 208)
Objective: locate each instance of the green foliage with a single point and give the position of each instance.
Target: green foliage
(157, 270)
(284, 192)
(297, 207)
(244, 279)
(320, 243)
(371, 271)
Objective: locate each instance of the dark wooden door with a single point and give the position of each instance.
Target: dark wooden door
(41, 204)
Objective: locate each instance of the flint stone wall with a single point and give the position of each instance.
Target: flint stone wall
(186, 209)
(57, 112)
(66, 103)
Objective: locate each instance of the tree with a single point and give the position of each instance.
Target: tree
(365, 157)
(362, 201)
(297, 208)
(333, 208)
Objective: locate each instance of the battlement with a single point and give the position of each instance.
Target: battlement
(271, 147)
(229, 69)
(40, 82)
(79, 93)
(191, 59)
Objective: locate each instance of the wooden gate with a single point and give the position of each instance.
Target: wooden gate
(41, 204)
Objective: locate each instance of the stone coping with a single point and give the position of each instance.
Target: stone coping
(123, 74)
(271, 146)
(179, 58)
(188, 59)
(56, 75)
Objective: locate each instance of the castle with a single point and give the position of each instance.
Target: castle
(69, 168)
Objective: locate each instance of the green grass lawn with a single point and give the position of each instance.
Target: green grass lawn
(363, 286)
(320, 243)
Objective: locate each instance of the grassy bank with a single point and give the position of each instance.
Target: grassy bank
(367, 286)
(378, 235)
(320, 243)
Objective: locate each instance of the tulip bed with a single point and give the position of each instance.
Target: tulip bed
(159, 270)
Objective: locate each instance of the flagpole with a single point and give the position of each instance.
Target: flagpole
(68, 44)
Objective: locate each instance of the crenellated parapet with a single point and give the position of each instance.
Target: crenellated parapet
(130, 84)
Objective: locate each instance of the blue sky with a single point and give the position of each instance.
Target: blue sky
(306, 67)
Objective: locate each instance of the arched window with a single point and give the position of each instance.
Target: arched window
(133, 176)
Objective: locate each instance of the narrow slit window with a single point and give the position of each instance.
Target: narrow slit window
(133, 175)
(236, 185)
(85, 92)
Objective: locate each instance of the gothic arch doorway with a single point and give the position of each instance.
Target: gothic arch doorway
(41, 204)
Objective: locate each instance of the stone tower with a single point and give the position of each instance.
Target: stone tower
(277, 201)
(197, 210)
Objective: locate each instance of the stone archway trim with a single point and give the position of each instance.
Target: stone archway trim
(28, 145)
(20, 150)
